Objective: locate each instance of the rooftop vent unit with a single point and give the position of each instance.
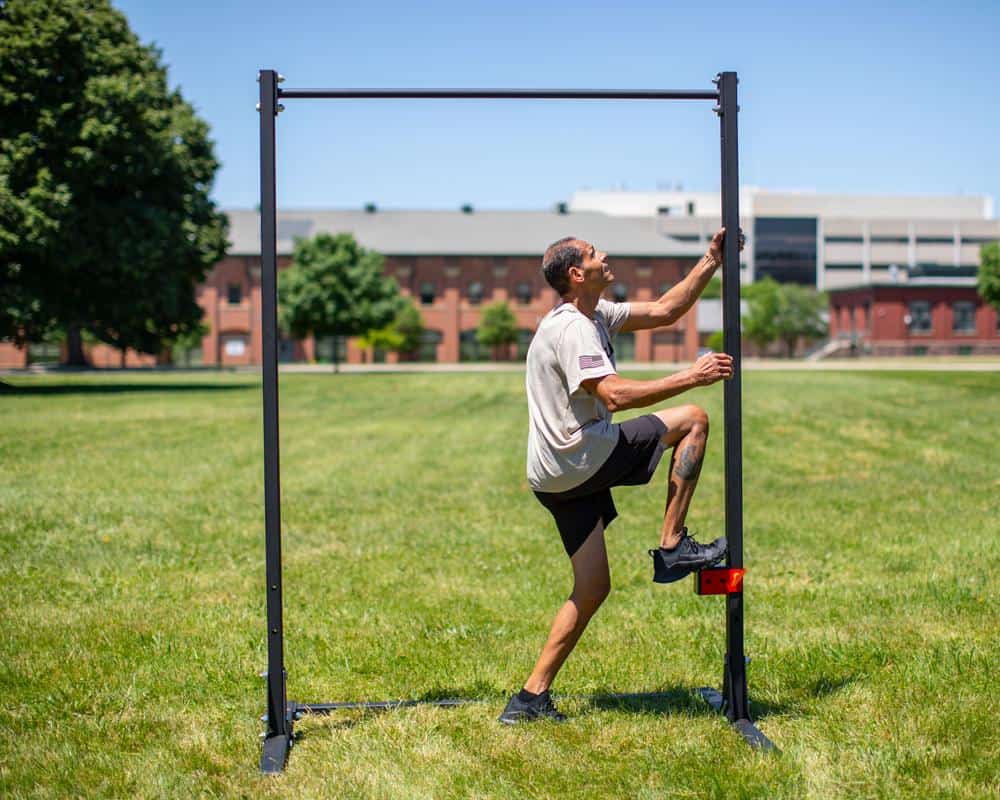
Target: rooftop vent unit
(467, 208)
(370, 208)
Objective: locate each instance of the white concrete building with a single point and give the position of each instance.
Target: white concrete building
(826, 240)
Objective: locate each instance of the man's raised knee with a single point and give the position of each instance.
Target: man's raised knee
(695, 417)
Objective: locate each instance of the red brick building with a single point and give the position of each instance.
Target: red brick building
(915, 317)
(451, 264)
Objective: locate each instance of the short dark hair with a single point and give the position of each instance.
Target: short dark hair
(557, 260)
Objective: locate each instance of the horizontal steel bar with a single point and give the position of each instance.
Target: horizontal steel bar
(493, 94)
(378, 705)
(389, 705)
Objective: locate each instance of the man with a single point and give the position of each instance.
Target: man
(576, 453)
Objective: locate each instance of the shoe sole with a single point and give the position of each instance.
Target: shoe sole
(679, 571)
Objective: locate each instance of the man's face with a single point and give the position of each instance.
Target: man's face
(594, 271)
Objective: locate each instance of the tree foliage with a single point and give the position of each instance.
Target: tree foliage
(785, 312)
(713, 289)
(988, 281)
(497, 326)
(715, 341)
(409, 325)
(106, 225)
(402, 335)
(759, 320)
(335, 287)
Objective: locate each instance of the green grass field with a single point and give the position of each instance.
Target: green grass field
(417, 564)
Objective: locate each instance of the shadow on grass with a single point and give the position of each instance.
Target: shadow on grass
(119, 388)
(826, 686)
(672, 700)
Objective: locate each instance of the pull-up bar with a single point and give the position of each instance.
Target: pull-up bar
(732, 701)
(491, 94)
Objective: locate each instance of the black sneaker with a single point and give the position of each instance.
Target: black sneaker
(541, 707)
(688, 556)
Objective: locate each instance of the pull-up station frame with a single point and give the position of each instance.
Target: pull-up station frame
(281, 713)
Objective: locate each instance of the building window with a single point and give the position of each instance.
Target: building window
(426, 293)
(234, 346)
(524, 337)
(619, 292)
(429, 341)
(469, 348)
(891, 240)
(331, 349)
(523, 293)
(475, 293)
(963, 315)
(44, 352)
(919, 318)
(934, 240)
(625, 347)
(187, 356)
(234, 294)
(785, 249)
(844, 240)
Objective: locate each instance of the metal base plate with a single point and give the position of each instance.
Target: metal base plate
(750, 732)
(275, 754)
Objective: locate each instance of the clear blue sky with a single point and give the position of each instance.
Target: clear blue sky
(848, 97)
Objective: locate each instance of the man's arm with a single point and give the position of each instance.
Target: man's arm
(677, 301)
(618, 393)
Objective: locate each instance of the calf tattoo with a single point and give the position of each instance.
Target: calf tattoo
(690, 466)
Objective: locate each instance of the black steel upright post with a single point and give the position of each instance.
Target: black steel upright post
(277, 739)
(734, 680)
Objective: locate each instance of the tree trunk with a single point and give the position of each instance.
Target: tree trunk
(74, 348)
(336, 355)
(124, 352)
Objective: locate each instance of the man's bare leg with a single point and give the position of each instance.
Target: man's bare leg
(591, 584)
(687, 433)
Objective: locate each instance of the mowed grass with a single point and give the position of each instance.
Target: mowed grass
(418, 565)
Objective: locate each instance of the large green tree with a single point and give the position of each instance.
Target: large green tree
(800, 315)
(785, 312)
(335, 287)
(106, 225)
(988, 282)
(759, 320)
(497, 327)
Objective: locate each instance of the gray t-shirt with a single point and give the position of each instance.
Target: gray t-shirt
(570, 433)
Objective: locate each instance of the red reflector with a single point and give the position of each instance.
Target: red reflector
(718, 580)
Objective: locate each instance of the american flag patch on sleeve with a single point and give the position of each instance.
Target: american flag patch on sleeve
(591, 362)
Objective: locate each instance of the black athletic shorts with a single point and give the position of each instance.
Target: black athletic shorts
(632, 463)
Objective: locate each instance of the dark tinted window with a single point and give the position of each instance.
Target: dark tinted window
(234, 294)
(426, 293)
(964, 317)
(785, 249)
(919, 316)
